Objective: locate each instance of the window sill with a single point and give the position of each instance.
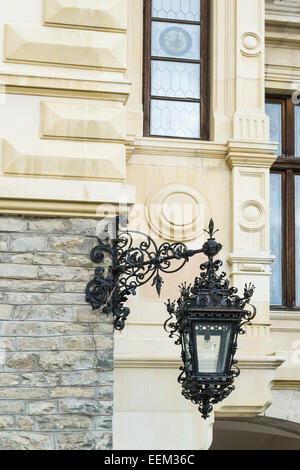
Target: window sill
(179, 147)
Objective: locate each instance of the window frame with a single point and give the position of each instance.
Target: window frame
(288, 166)
(204, 70)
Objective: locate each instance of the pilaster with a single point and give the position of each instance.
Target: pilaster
(250, 156)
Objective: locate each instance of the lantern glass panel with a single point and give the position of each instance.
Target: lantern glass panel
(187, 348)
(212, 341)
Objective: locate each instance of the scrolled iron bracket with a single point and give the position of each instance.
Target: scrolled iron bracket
(132, 266)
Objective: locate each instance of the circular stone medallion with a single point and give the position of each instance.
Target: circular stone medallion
(175, 41)
(178, 212)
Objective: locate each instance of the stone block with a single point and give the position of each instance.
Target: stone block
(6, 422)
(103, 121)
(82, 378)
(80, 261)
(24, 243)
(62, 273)
(12, 224)
(21, 328)
(28, 286)
(48, 225)
(21, 298)
(23, 393)
(85, 441)
(17, 271)
(6, 311)
(21, 362)
(3, 242)
(104, 14)
(69, 244)
(39, 379)
(85, 407)
(23, 258)
(38, 344)
(105, 161)
(68, 299)
(9, 380)
(37, 408)
(11, 407)
(44, 313)
(103, 423)
(66, 360)
(25, 441)
(63, 423)
(87, 343)
(105, 393)
(86, 49)
(48, 259)
(63, 328)
(72, 392)
(24, 423)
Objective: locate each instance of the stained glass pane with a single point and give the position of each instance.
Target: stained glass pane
(175, 119)
(297, 240)
(297, 131)
(175, 40)
(276, 239)
(175, 79)
(188, 10)
(274, 111)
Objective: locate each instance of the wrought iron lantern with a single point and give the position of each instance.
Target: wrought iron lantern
(206, 319)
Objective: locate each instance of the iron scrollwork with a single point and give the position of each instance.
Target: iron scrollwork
(131, 267)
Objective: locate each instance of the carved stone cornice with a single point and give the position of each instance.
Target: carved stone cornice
(251, 154)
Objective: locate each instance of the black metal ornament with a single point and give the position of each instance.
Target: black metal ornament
(212, 305)
(131, 267)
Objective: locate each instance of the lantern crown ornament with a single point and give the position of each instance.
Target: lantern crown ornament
(206, 321)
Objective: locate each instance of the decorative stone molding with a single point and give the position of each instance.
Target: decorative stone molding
(149, 362)
(107, 90)
(177, 212)
(251, 154)
(84, 121)
(249, 126)
(286, 385)
(252, 215)
(282, 46)
(283, 12)
(100, 161)
(280, 77)
(88, 14)
(247, 263)
(283, 40)
(251, 44)
(63, 198)
(49, 46)
(179, 148)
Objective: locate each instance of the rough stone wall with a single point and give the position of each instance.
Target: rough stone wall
(56, 355)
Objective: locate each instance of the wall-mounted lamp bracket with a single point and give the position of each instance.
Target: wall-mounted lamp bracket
(133, 266)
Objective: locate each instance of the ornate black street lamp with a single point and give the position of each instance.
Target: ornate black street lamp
(206, 319)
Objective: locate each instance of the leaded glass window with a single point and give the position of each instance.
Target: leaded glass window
(297, 131)
(285, 203)
(276, 238)
(176, 92)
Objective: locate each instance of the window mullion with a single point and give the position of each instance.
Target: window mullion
(290, 238)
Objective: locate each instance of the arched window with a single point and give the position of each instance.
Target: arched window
(176, 68)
